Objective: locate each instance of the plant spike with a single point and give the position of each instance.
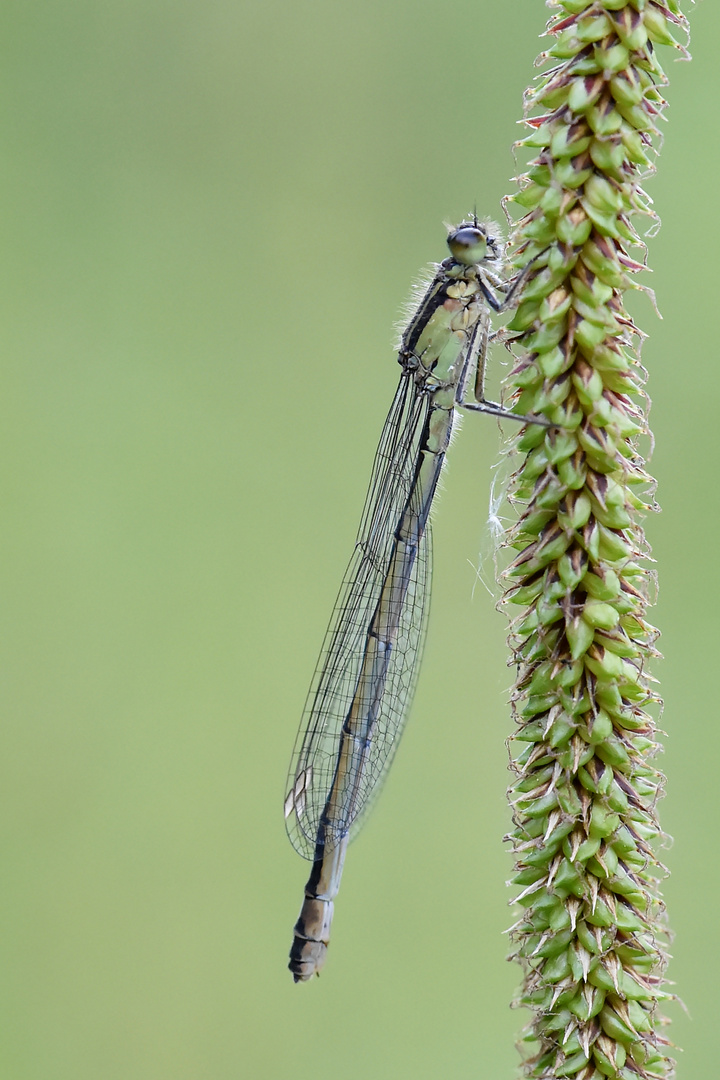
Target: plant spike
(591, 936)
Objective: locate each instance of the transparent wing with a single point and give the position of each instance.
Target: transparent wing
(335, 682)
(400, 684)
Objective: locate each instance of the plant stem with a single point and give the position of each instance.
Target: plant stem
(591, 935)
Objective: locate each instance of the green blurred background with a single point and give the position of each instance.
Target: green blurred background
(212, 215)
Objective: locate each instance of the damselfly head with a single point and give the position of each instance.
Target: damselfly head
(473, 242)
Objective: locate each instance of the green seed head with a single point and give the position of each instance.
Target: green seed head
(591, 934)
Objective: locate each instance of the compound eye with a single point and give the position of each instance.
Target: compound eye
(468, 244)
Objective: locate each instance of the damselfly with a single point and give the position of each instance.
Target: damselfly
(363, 684)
